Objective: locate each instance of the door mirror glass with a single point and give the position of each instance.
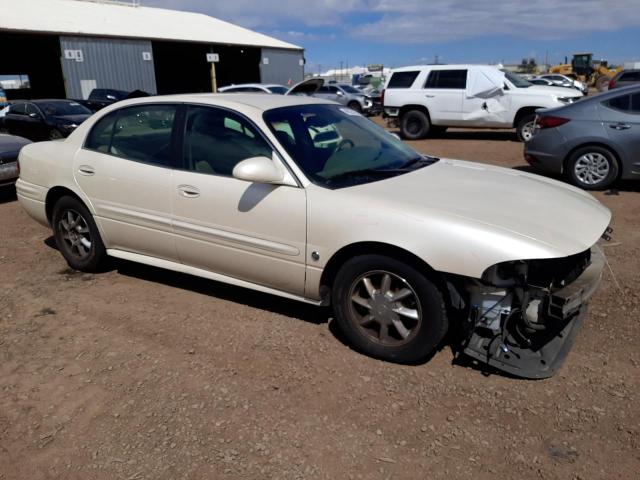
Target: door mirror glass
(339, 93)
(258, 170)
(34, 115)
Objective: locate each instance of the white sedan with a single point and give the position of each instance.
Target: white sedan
(306, 199)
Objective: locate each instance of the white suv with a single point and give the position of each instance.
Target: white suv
(427, 99)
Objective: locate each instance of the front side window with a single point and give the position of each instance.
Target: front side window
(143, 134)
(402, 79)
(630, 77)
(336, 147)
(452, 79)
(31, 109)
(216, 140)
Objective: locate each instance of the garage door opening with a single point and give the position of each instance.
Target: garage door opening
(182, 67)
(36, 57)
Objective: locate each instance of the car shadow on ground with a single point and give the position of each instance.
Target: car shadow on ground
(480, 135)
(8, 194)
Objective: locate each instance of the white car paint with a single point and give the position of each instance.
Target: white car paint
(459, 217)
(490, 100)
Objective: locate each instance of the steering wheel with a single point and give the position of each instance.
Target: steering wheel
(344, 143)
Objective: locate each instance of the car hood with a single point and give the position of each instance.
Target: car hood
(559, 219)
(77, 119)
(549, 90)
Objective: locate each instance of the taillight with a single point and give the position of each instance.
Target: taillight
(550, 122)
(382, 98)
(612, 83)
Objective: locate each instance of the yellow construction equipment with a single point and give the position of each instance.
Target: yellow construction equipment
(582, 67)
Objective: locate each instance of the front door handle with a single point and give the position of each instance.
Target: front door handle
(87, 170)
(429, 96)
(188, 191)
(620, 126)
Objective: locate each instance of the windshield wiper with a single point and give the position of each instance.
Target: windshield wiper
(421, 161)
(368, 171)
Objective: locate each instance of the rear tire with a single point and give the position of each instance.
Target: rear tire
(398, 314)
(592, 168)
(77, 236)
(415, 125)
(524, 129)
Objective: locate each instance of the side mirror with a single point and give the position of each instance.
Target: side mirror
(258, 170)
(339, 93)
(34, 115)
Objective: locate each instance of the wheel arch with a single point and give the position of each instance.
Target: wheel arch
(375, 248)
(56, 193)
(524, 111)
(407, 108)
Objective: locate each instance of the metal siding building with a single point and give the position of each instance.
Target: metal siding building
(106, 63)
(68, 47)
(285, 67)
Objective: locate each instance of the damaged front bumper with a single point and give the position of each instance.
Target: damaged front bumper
(531, 338)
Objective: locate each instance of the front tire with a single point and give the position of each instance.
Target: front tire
(77, 236)
(592, 168)
(389, 310)
(524, 129)
(355, 106)
(55, 134)
(415, 125)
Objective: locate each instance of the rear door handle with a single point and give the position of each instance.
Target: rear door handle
(620, 126)
(188, 191)
(87, 170)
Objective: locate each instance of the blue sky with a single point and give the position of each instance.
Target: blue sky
(397, 33)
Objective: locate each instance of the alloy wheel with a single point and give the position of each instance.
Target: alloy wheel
(592, 168)
(385, 308)
(75, 233)
(526, 132)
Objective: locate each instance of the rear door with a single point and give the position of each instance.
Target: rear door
(444, 92)
(125, 168)
(14, 120)
(621, 118)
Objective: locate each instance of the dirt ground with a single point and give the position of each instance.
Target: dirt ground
(140, 374)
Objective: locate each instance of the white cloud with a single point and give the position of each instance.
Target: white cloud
(417, 21)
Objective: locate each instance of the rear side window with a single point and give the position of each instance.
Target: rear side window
(402, 79)
(454, 79)
(635, 103)
(622, 103)
(99, 138)
(630, 77)
(142, 134)
(19, 109)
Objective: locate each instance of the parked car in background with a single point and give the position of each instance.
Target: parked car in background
(565, 81)
(44, 119)
(3, 98)
(402, 245)
(624, 79)
(10, 147)
(428, 99)
(593, 142)
(255, 88)
(348, 96)
(102, 97)
(540, 81)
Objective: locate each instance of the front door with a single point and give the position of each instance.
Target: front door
(125, 168)
(247, 231)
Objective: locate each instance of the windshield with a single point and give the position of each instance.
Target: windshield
(278, 90)
(337, 147)
(517, 80)
(60, 108)
(350, 89)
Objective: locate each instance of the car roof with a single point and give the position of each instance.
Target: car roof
(256, 101)
(442, 67)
